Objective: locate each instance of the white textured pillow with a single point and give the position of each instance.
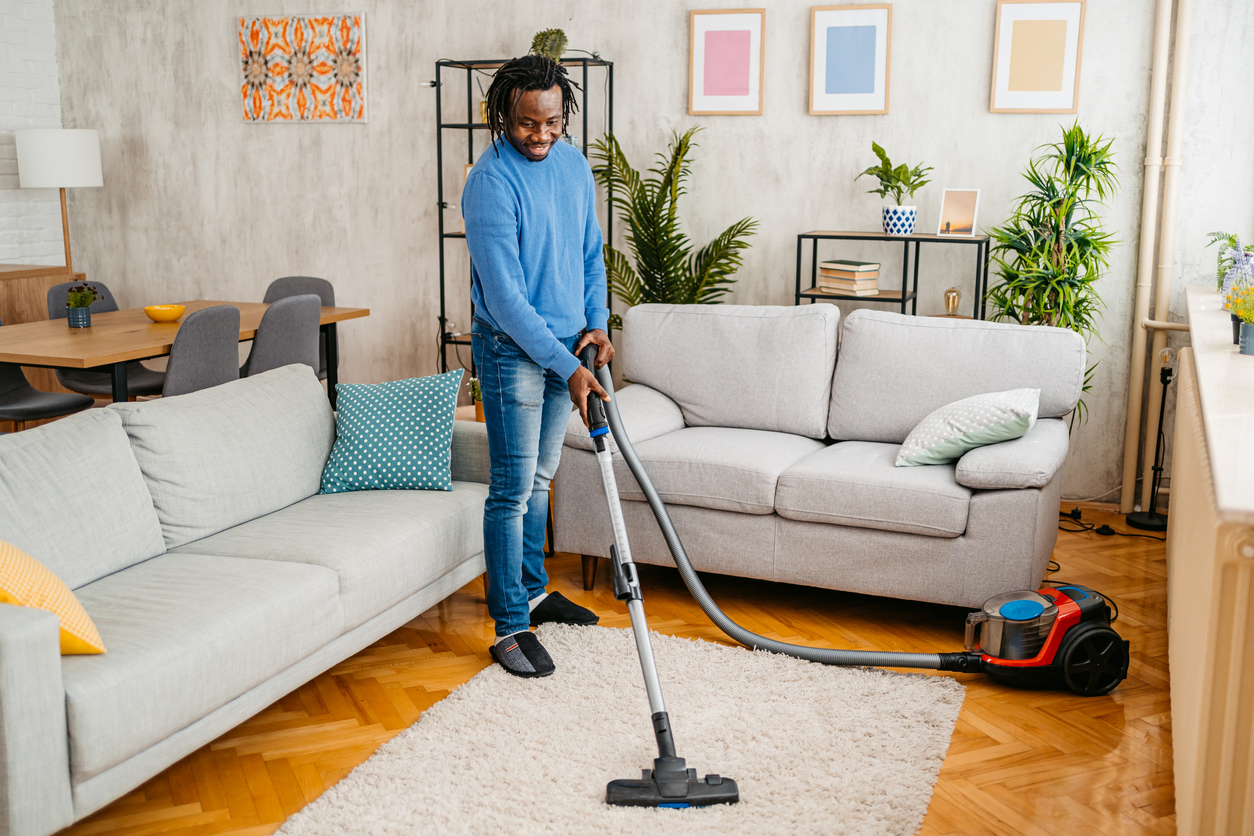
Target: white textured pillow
(948, 432)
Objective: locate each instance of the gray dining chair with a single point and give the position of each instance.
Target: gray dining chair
(205, 351)
(140, 380)
(20, 402)
(299, 286)
(287, 333)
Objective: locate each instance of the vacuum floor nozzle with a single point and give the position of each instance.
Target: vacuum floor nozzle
(689, 791)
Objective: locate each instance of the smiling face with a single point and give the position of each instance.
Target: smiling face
(537, 122)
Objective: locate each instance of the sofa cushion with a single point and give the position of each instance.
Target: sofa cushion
(25, 582)
(393, 436)
(945, 434)
(894, 370)
(645, 411)
(222, 456)
(187, 634)
(715, 467)
(73, 498)
(760, 367)
(1027, 462)
(856, 483)
(384, 545)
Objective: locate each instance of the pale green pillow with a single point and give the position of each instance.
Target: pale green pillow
(955, 428)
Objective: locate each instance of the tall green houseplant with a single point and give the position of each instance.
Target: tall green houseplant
(1052, 249)
(667, 269)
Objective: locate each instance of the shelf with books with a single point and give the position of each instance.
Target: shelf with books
(841, 277)
(883, 296)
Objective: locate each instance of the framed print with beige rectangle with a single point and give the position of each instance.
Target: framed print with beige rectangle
(850, 58)
(726, 62)
(957, 217)
(1036, 57)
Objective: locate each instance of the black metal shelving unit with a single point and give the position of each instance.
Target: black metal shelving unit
(582, 65)
(909, 293)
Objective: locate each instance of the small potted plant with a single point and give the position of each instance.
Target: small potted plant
(1229, 270)
(1241, 304)
(78, 301)
(899, 181)
(476, 394)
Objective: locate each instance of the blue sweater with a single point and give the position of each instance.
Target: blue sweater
(535, 249)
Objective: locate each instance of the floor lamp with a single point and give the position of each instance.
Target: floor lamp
(59, 158)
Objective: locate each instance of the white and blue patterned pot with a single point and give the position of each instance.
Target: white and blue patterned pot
(899, 220)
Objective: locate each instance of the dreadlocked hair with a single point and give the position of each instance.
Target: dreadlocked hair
(515, 77)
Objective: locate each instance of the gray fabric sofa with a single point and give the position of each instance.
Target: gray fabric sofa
(775, 453)
(192, 531)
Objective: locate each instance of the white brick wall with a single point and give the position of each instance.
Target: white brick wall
(30, 97)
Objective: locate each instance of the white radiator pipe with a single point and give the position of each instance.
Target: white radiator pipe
(1167, 239)
(1145, 259)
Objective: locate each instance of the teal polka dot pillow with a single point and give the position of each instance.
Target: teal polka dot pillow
(393, 436)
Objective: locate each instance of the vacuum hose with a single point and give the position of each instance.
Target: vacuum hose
(934, 661)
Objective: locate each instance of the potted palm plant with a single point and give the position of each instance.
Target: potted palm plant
(667, 270)
(78, 301)
(1052, 249)
(899, 181)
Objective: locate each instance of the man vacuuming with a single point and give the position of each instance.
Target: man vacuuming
(538, 281)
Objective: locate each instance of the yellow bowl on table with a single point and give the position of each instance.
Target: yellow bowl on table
(164, 313)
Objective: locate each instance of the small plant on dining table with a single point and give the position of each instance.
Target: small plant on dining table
(81, 296)
(476, 394)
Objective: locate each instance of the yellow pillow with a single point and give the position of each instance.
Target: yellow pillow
(26, 582)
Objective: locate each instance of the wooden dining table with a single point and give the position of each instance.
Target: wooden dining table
(116, 338)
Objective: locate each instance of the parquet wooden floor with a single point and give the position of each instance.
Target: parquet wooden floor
(1020, 762)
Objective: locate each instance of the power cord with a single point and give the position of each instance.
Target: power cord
(1073, 516)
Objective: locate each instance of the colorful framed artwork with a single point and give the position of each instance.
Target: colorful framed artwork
(957, 217)
(726, 64)
(303, 68)
(850, 58)
(1036, 57)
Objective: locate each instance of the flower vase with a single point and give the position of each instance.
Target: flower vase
(899, 220)
(1236, 329)
(1247, 338)
(479, 411)
(78, 317)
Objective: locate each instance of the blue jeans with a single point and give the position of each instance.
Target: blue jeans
(526, 409)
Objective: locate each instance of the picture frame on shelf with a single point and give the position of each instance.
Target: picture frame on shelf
(850, 59)
(958, 212)
(726, 62)
(1036, 56)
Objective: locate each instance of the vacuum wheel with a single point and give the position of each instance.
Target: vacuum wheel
(1094, 660)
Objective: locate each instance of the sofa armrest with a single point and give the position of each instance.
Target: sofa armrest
(646, 413)
(1026, 462)
(34, 748)
(470, 462)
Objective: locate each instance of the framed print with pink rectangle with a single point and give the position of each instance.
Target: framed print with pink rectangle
(725, 69)
(1036, 57)
(850, 59)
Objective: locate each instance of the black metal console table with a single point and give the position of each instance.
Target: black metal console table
(908, 295)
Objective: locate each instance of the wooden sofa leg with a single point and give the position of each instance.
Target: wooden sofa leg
(589, 570)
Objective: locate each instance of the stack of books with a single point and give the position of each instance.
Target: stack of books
(849, 278)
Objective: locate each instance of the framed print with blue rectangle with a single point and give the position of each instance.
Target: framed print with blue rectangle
(1036, 56)
(850, 59)
(725, 70)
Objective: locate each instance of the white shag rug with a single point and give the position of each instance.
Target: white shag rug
(814, 749)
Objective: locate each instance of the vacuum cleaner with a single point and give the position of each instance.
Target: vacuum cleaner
(1048, 638)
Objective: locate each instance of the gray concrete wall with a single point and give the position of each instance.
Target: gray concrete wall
(198, 204)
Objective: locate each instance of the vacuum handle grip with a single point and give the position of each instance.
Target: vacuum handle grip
(973, 620)
(597, 423)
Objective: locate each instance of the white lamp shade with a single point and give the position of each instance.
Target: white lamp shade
(57, 158)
